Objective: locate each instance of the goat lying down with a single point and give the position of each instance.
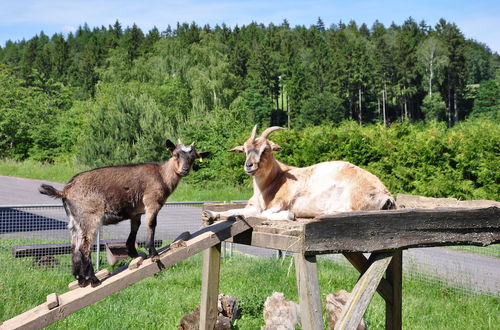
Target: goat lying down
(282, 192)
(108, 195)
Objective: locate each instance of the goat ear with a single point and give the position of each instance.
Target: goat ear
(203, 155)
(236, 149)
(170, 145)
(275, 147)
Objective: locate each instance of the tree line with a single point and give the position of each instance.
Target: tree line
(107, 95)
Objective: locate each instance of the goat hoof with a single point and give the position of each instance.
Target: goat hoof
(82, 282)
(94, 281)
(133, 254)
(210, 216)
(155, 258)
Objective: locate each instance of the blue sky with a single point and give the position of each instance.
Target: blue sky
(20, 19)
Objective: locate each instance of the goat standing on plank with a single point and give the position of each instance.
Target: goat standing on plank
(282, 192)
(108, 195)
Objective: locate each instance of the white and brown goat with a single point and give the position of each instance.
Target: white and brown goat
(108, 195)
(282, 192)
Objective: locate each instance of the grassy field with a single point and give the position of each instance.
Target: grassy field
(159, 302)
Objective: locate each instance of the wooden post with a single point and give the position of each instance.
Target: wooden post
(309, 296)
(362, 294)
(358, 260)
(393, 308)
(210, 287)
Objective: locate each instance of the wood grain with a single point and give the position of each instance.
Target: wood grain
(361, 295)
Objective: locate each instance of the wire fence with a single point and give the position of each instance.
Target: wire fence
(37, 236)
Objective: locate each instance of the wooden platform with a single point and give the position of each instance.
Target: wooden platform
(419, 222)
(378, 231)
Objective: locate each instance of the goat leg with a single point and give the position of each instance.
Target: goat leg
(150, 240)
(135, 223)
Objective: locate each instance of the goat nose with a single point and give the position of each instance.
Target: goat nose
(249, 165)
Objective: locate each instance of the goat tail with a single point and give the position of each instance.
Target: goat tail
(390, 204)
(50, 191)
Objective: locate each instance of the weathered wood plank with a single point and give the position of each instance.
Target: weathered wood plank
(210, 287)
(270, 241)
(223, 206)
(394, 306)
(361, 295)
(358, 260)
(77, 299)
(397, 229)
(309, 295)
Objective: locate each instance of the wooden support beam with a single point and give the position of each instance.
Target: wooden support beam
(311, 315)
(210, 287)
(394, 307)
(269, 241)
(358, 260)
(361, 295)
(77, 299)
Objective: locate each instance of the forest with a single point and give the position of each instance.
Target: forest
(416, 104)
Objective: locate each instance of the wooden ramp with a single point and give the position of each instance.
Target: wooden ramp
(59, 306)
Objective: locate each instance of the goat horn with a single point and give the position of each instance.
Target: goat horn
(269, 130)
(192, 144)
(179, 141)
(254, 132)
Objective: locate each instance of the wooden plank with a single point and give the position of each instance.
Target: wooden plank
(210, 287)
(363, 291)
(398, 229)
(309, 295)
(52, 301)
(270, 241)
(33, 250)
(421, 202)
(358, 260)
(77, 299)
(221, 207)
(394, 307)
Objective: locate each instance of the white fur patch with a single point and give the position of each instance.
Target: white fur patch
(186, 149)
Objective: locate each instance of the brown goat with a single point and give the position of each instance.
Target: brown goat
(283, 192)
(108, 195)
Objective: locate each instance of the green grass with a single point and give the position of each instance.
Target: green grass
(159, 302)
(490, 250)
(59, 172)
